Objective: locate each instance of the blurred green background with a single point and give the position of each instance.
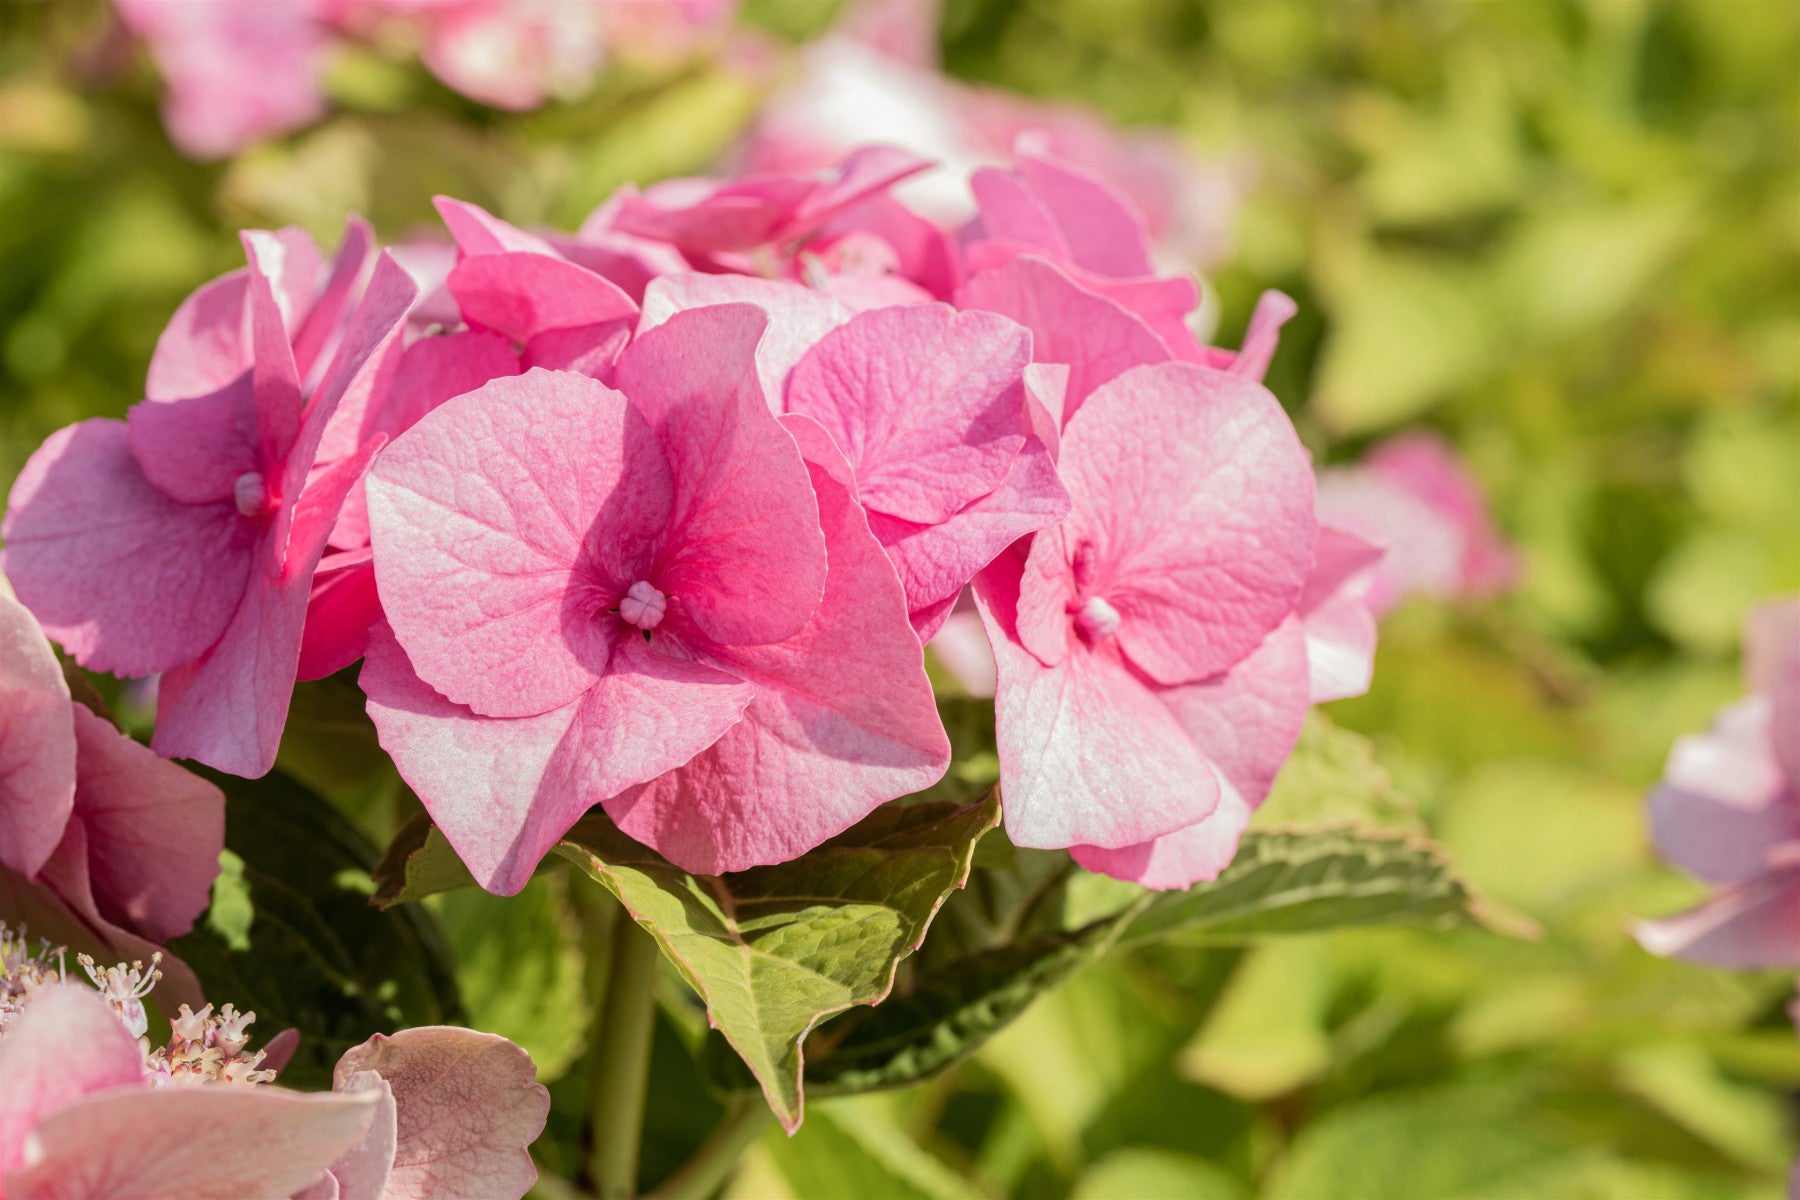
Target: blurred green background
(1566, 234)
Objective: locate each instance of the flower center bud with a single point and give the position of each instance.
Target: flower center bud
(1097, 620)
(643, 606)
(250, 493)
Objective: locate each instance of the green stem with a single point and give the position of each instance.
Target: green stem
(702, 1174)
(619, 1059)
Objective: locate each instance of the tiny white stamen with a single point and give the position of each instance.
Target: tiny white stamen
(643, 606)
(250, 493)
(1097, 619)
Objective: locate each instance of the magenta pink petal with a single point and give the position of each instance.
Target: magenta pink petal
(927, 404)
(66, 1044)
(843, 721)
(1088, 754)
(1193, 517)
(522, 294)
(206, 344)
(275, 376)
(744, 555)
(863, 172)
(342, 607)
(37, 742)
(347, 267)
(926, 253)
(199, 1143)
(1095, 336)
(1013, 215)
(590, 350)
(467, 1106)
(154, 832)
(479, 232)
(1273, 310)
(128, 580)
(195, 449)
(503, 523)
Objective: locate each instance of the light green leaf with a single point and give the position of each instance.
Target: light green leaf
(1333, 776)
(851, 1147)
(1143, 1173)
(418, 863)
(773, 951)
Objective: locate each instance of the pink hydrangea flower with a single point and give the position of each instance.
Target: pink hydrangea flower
(103, 845)
(1728, 812)
(236, 73)
(1152, 668)
(623, 597)
(1413, 497)
(86, 1113)
(184, 539)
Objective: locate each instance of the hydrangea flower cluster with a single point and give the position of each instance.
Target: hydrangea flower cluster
(89, 1108)
(659, 515)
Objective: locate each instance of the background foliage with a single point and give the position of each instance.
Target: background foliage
(1567, 234)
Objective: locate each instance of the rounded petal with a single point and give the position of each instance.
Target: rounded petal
(798, 316)
(66, 1044)
(37, 742)
(362, 1172)
(1181, 859)
(504, 524)
(1723, 800)
(127, 579)
(1749, 926)
(467, 1106)
(522, 295)
(206, 344)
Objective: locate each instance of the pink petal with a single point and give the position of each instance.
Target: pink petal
(340, 610)
(1723, 800)
(1013, 214)
(37, 742)
(478, 231)
(1273, 310)
(504, 791)
(66, 1044)
(154, 832)
(1771, 642)
(1749, 926)
(468, 1105)
(1193, 515)
(1095, 336)
(843, 721)
(522, 295)
(503, 523)
(227, 707)
(961, 647)
(194, 450)
(590, 350)
(203, 1143)
(927, 404)
(863, 173)
(128, 580)
(1088, 754)
(1104, 232)
(275, 376)
(927, 256)
(362, 1172)
(1177, 860)
(1426, 466)
(744, 554)
(798, 316)
(206, 344)
(347, 267)
(1340, 624)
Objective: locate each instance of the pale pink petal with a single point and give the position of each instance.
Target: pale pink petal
(154, 832)
(1095, 336)
(1771, 642)
(1340, 623)
(340, 610)
(1784, 715)
(1753, 925)
(1723, 800)
(744, 556)
(200, 1143)
(66, 1044)
(926, 255)
(1425, 465)
(798, 316)
(206, 344)
(1193, 517)
(927, 404)
(227, 707)
(1088, 754)
(1180, 859)
(126, 579)
(864, 293)
(961, 647)
(37, 742)
(275, 377)
(843, 721)
(1273, 310)
(521, 294)
(1103, 231)
(362, 1172)
(468, 1106)
(1013, 215)
(504, 791)
(503, 524)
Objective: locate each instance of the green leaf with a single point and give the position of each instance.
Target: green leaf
(319, 957)
(853, 1148)
(1332, 775)
(418, 863)
(773, 951)
(1155, 1174)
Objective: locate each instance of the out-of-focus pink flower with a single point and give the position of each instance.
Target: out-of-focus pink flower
(184, 539)
(103, 845)
(875, 79)
(1152, 669)
(1414, 498)
(86, 1113)
(235, 72)
(656, 558)
(1728, 812)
